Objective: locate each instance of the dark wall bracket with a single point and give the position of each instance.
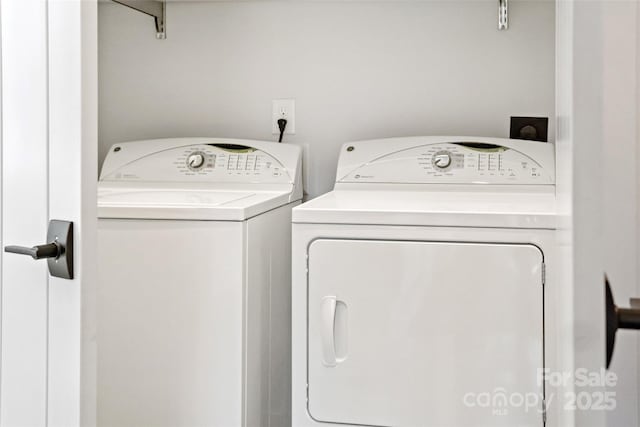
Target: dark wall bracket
(154, 8)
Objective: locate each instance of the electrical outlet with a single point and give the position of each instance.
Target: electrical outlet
(284, 109)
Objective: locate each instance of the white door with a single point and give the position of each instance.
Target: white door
(425, 333)
(597, 123)
(620, 193)
(49, 142)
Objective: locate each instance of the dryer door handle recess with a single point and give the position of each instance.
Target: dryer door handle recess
(328, 322)
(618, 318)
(334, 328)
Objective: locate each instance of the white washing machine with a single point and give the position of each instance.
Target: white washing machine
(419, 286)
(194, 239)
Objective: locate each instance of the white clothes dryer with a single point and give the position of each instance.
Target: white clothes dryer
(419, 286)
(194, 243)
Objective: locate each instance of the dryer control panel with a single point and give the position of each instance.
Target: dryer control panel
(447, 160)
(198, 160)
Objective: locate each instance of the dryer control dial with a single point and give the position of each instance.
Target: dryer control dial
(196, 160)
(442, 159)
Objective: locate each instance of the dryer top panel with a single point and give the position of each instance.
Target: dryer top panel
(447, 160)
(202, 160)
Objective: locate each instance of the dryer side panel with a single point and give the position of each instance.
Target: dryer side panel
(406, 333)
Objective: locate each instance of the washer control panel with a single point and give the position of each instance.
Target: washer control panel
(219, 162)
(459, 162)
(237, 161)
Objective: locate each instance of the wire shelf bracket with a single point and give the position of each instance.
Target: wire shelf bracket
(154, 8)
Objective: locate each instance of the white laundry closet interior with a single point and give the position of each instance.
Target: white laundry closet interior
(362, 70)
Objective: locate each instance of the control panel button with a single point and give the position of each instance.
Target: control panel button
(442, 159)
(196, 160)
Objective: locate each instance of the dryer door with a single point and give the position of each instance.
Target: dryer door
(406, 333)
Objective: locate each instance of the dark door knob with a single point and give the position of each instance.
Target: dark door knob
(617, 318)
(59, 250)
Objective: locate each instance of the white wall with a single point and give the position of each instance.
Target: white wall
(357, 69)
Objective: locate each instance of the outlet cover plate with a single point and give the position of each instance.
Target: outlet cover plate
(283, 109)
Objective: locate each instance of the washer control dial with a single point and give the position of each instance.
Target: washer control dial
(442, 159)
(196, 160)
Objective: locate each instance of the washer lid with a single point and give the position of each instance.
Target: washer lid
(194, 204)
(452, 207)
(169, 198)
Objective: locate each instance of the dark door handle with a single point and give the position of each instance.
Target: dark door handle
(617, 318)
(59, 250)
(50, 250)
